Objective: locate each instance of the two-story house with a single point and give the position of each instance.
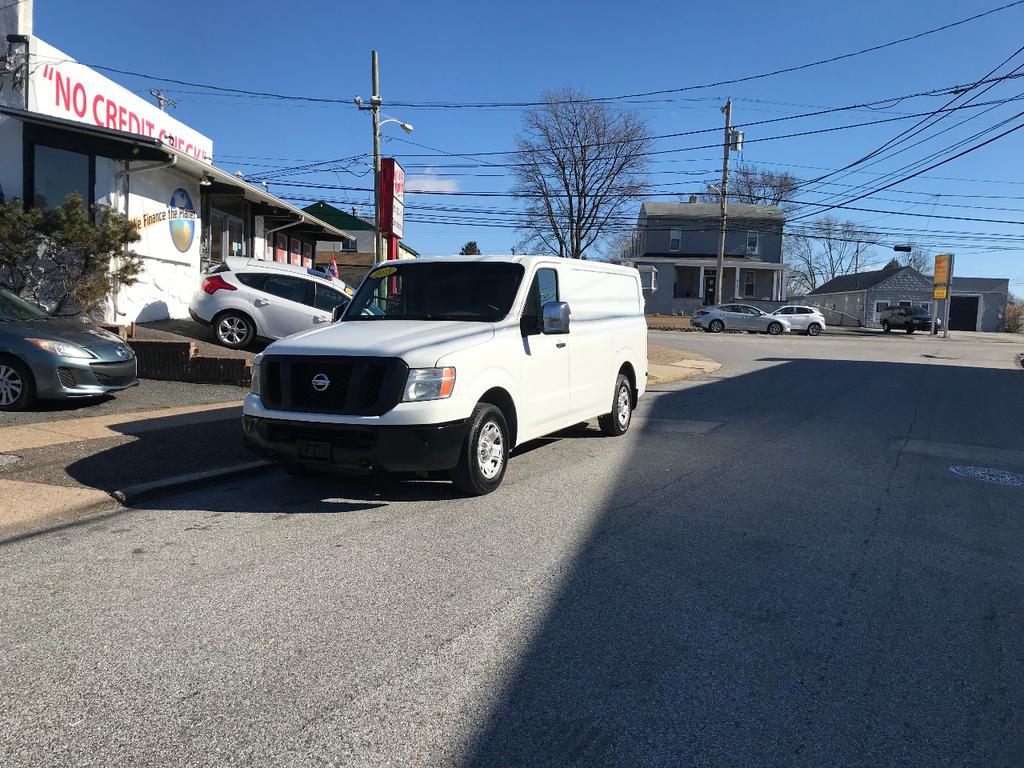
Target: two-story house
(680, 240)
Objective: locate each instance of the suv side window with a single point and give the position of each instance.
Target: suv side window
(250, 279)
(290, 288)
(327, 298)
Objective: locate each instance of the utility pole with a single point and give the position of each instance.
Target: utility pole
(161, 100)
(726, 144)
(375, 110)
(856, 259)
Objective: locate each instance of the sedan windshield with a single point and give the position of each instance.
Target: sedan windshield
(437, 290)
(14, 307)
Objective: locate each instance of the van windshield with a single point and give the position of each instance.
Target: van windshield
(437, 290)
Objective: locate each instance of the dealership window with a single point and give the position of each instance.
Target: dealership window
(753, 243)
(56, 173)
(750, 283)
(675, 239)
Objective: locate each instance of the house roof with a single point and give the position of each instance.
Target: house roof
(858, 281)
(338, 217)
(710, 211)
(982, 284)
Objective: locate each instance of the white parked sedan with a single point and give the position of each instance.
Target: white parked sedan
(739, 317)
(242, 299)
(808, 320)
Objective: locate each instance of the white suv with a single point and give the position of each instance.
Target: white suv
(446, 364)
(242, 299)
(808, 320)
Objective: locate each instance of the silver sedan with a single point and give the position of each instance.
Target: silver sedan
(739, 317)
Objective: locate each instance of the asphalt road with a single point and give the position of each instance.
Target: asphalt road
(775, 566)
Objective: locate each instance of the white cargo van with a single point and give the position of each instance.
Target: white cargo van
(448, 363)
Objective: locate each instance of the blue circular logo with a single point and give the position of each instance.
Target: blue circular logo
(182, 220)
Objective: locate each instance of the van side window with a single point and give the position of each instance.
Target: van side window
(543, 289)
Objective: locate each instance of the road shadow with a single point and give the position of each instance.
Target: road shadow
(788, 590)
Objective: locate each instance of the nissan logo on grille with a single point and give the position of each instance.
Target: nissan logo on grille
(321, 382)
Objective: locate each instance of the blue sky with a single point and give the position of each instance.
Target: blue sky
(458, 52)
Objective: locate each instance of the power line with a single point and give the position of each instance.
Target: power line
(732, 81)
(414, 104)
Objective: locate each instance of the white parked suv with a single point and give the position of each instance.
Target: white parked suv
(242, 299)
(446, 364)
(807, 320)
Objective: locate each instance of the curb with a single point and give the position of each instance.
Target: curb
(134, 494)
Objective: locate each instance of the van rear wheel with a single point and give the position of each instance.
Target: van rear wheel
(617, 422)
(484, 457)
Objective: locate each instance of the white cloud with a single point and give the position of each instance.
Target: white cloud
(430, 182)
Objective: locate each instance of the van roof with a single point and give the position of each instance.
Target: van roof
(528, 260)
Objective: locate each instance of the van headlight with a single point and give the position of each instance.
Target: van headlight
(429, 384)
(255, 386)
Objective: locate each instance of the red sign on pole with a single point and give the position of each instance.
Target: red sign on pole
(392, 197)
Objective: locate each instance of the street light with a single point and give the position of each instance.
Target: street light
(374, 110)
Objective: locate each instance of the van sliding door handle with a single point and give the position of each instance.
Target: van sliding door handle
(560, 344)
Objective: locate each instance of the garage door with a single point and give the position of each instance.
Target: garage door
(963, 313)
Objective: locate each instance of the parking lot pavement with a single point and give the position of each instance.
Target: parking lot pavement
(775, 566)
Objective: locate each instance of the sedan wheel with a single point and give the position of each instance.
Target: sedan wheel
(234, 330)
(17, 387)
(775, 329)
(716, 326)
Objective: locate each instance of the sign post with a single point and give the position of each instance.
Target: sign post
(942, 288)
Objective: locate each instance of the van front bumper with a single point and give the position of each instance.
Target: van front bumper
(356, 448)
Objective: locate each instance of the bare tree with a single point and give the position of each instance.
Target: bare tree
(580, 164)
(828, 249)
(756, 186)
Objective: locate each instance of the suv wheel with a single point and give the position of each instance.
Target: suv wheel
(484, 458)
(813, 329)
(17, 386)
(617, 422)
(910, 328)
(234, 330)
(886, 328)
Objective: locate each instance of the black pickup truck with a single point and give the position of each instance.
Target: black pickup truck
(909, 319)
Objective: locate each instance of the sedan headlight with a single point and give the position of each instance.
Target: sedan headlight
(429, 384)
(63, 348)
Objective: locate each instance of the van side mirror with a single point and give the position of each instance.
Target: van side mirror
(338, 312)
(556, 317)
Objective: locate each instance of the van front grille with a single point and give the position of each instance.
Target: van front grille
(355, 386)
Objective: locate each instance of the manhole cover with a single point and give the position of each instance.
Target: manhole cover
(989, 475)
(7, 460)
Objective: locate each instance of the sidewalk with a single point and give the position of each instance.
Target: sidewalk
(56, 470)
(666, 365)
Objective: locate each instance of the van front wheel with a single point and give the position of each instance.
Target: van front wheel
(484, 457)
(617, 422)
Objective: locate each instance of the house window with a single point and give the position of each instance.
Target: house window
(905, 304)
(675, 239)
(926, 305)
(281, 248)
(881, 306)
(753, 243)
(57, 173)
(749, 283)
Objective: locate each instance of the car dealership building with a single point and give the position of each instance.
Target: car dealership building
(64, 128)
